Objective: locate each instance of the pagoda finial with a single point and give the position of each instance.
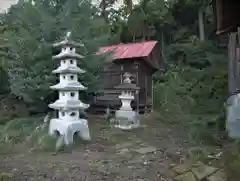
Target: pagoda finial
(67, 42)
(68, 35)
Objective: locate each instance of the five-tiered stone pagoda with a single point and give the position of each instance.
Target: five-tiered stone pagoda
(68, 105)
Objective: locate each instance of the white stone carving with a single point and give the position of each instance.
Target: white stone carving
(68, 105)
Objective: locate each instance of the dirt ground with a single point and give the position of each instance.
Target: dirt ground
(143, 154)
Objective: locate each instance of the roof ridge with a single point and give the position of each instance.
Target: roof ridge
(130, 43)
(130, 50)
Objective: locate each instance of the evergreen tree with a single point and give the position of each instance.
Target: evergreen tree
(31, 29)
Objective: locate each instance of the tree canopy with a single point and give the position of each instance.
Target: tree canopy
(29, 29)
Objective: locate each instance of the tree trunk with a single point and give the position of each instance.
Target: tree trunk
(104, 14)
(201, 24)
(162, 42)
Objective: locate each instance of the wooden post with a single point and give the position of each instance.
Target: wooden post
(237, 61)
(137, 108)
(146, 92)
(121, 74)
(137, 83)
(152, 87)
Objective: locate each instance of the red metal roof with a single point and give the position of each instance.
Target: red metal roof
(130, 50)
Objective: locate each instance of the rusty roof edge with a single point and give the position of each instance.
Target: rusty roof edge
(112, 48)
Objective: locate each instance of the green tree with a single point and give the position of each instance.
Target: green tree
(31, 29)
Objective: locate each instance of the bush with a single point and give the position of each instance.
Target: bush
(5, 85)
(17, 130)
(5, 118)
(193, 89)
(200, 132)
(5, 176)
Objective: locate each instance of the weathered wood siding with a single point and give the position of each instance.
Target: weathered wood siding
(145, 82)
(226, 15)
(111, 76)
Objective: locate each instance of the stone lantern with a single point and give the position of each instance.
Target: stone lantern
(68, 105)
(126, 118)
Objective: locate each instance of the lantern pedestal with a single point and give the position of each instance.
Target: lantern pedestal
(69, 128)
(126, 118)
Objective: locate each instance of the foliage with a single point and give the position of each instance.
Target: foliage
(31, 28)
(17, 130)
(5, 118)
(5, 87)
(46, 143)
(201, 133)
(30, 132)
(5, 176)
(193, 84)
(193, 88)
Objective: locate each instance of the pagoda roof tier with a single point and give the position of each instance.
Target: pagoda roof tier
(71, 69)
(66, 55)
(68, 105)
(127, 86)
(66, 43)
(75, 86)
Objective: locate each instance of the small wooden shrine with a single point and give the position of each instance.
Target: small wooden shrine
(227, 20)
(141, 60)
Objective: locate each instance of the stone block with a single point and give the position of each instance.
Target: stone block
(218, 176)
(146, 150)
(123, 150)
(188, 176)
(202, 171)
(180, 169)
(123, 145)
(170, 174)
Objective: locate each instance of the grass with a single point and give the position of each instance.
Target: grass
(22, 131)
(29, 132)
(104, 141)
(5, 176)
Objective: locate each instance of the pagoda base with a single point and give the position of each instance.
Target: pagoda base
(126, 119)
(68, 128)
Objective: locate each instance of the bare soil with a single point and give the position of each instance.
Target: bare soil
(144, 154)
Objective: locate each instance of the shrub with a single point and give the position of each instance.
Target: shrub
(5, 176)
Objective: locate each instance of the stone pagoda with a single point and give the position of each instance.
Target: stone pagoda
(126, 118)
(68, 121)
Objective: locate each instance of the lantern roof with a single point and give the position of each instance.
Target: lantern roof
(68, 42)
(67, 55)
(68, 104)
(70, 86)
(127, 86)
(64, 70)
